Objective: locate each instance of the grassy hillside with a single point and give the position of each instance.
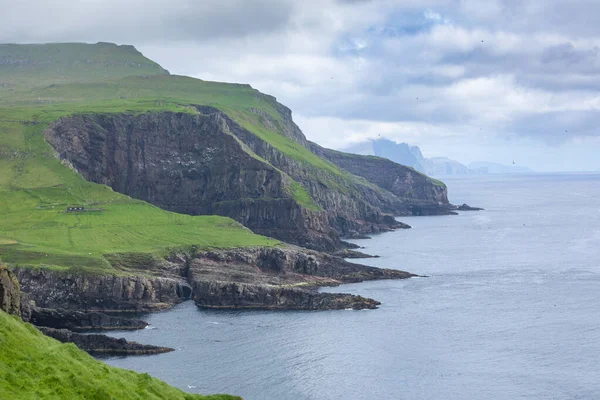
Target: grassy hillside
(58, 63)
(35, 188)
(34, 366)
(41, 83)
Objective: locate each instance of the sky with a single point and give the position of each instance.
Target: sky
(473, 80)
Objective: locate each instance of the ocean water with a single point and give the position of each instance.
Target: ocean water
(510, 310)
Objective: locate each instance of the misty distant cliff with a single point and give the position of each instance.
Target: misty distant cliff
(411, 156)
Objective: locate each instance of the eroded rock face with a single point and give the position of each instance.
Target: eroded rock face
(207, 164)
(189, 164)
(85, 291)
(416, 189)
(102, 344)
(238, 295)
(81, 321)
(10, 292)
(275, 277)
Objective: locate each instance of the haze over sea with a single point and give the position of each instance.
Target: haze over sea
(509, 311)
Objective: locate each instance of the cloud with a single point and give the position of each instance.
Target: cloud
(461, 76)
(140, 21)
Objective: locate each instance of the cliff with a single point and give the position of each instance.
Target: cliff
(417, 191)
(10, 292)
(102, 344)
(283, 278)
(207, 163)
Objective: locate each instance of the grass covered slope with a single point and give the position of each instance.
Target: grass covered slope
(40, 84)
(57, 63)
(34, 366)
(36, 188)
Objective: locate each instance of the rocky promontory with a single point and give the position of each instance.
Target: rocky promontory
(102, 344)
(285, 277)
(76, 321)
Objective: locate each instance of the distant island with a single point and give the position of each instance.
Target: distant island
(411, 156)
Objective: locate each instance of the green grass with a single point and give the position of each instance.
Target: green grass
(34, 366)
(59, 80)
(56, 63)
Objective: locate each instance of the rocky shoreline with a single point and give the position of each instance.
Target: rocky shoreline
(64, 303)
(102, 344)
(277, 277)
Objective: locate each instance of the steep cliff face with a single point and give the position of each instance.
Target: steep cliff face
(283, 278)
(417, 191)
(85, 291)
(10, 292)
(209, 164)
(189, 164)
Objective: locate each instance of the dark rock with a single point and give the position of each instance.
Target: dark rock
(102, 344)
(207, 164)
(268, 269)
(27, 306)
(10, 292)
(466, 207)
(95, 292)
(238, 295)
(81, 321)
(347, 253)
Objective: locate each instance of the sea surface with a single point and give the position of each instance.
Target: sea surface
(510, 310)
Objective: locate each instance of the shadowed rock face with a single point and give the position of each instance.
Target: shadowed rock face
(84, 291)
(237, 295)
(102, 344)
(208, 164)
(82, 321)
(189, 164)
(271, 278)
(10, 292)
(418, 191)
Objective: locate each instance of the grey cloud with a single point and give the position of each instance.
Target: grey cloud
(559, 126)
(139, 21)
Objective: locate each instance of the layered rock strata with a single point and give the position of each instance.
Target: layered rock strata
(102, 344)
(207, 163)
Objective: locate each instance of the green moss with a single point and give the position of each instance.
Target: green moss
(34, 366)
(302, 196)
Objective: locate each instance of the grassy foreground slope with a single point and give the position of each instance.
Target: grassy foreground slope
(34, 366)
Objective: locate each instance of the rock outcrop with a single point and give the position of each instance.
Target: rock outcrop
(77, 321)
(215, 294)
(421, 195)
(102, 344)
(266, 277)
(466, 207)
(10, 292)
(96, 292)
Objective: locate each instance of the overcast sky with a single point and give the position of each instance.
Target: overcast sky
(494, 80)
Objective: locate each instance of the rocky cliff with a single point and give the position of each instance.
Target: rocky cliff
(207, 163)
(102, 344)
(283, 278)
(77, 290)
(420, 194)
(10, 292)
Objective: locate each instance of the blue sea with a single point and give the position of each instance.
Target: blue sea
(510, 310)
